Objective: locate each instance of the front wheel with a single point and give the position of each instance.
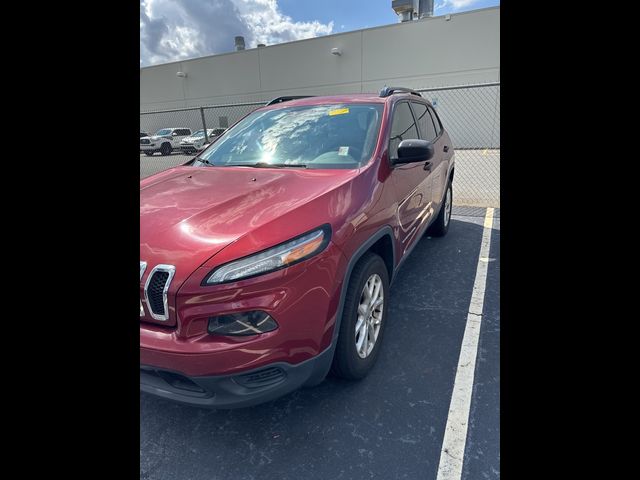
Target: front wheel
(362, 326)
(440, 225)
(166, 149)
(148, 153)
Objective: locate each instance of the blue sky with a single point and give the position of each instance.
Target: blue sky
(173, 30)
(357, 14)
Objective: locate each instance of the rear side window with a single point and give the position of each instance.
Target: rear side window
(403, 127)
(425, 123)
(436, 121)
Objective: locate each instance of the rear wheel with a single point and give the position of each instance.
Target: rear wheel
(165, 149)
(362, 326)
(440, 225)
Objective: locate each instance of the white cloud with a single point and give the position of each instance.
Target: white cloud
(171, 30)
(461, 3)
(454, 4)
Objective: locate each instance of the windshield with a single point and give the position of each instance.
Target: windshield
(199, 133)
(318, 136)
(164, 131)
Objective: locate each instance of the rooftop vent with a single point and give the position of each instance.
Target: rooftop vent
(412, 9)
(425, 8)
(239, 43)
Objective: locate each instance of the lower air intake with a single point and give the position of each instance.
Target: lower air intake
(261, 378)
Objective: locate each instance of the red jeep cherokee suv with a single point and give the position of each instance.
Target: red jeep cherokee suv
(266, 261)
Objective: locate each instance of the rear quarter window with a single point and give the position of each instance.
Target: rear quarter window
(436, 121)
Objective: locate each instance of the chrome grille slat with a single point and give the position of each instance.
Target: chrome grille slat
(143, 267)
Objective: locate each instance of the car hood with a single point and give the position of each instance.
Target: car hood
(189, 214)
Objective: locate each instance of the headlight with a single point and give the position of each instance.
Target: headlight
(281, 256)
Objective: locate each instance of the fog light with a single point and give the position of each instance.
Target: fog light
(254, 322)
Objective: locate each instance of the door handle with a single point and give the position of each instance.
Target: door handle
(427, 165)
(446, 148)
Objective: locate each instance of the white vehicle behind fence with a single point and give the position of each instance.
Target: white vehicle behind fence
(164, 141)
(196, 142)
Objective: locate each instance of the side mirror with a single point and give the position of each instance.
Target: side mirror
(174, 134)
(414, 150)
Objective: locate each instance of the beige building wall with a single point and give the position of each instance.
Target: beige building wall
(457, 49)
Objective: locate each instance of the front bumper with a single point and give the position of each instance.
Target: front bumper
(190, 148)
(236, 391)
(302, 299)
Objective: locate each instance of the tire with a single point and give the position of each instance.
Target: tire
(166, 149)
(440, 225)
(347, 362)
(148, 153)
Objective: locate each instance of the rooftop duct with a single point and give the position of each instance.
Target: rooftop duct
(239, 43)
(425, 8)
(412, 9)
(405, 9)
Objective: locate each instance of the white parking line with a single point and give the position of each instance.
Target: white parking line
(455, 434)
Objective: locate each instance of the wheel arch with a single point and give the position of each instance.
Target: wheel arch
(380, 243)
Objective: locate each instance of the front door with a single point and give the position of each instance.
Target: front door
(411, 181)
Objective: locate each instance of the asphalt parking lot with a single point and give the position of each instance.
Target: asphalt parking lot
(157, 163)
(390, 425)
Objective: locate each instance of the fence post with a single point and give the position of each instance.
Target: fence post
(204, 125)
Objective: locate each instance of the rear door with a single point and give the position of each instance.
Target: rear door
(411, 182)
(445, 147)
(429, 131)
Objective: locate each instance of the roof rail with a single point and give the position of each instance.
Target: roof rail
(386, 91)
(286, 99)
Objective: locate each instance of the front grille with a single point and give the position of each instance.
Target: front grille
(154, 291)
(145, 141)
(261, 378)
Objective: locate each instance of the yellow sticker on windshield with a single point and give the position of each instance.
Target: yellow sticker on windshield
(339, 111)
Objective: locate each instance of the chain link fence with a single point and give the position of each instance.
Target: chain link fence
(470, 113)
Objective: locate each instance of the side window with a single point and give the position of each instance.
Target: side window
(402, 128)
(436, 121)
(425, 124)
(184, 131)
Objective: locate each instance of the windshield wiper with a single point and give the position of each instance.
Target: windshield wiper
(268, 165)
(204, 160)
